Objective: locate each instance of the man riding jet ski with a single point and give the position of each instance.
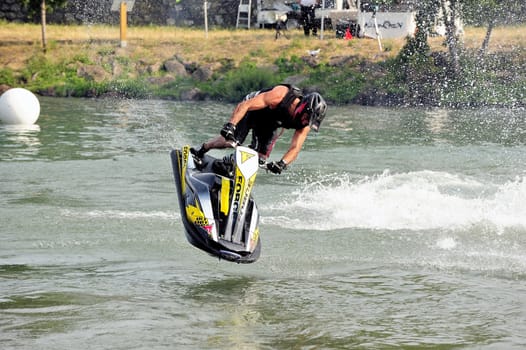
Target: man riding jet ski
(217, 209)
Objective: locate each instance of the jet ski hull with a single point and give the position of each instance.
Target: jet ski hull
(197, 189)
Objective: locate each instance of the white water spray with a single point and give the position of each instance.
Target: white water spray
(422, 200)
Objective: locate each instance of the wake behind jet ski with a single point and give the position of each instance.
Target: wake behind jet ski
(217, 209)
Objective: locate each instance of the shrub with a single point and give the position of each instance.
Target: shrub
(238, 82)
(7, 77)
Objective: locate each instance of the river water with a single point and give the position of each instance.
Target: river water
(395, 228)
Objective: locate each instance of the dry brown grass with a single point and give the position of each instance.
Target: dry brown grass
(18, 42)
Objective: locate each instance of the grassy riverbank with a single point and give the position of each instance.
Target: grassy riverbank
(225, 64)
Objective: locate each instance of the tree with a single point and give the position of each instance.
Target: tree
(490, 13)
(34, 6)
(426, 12)
(451, 12)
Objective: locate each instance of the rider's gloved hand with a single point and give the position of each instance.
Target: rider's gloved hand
(277, 167)
(228, 132)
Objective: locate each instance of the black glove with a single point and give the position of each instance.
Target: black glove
(228, 132)
(277, 167)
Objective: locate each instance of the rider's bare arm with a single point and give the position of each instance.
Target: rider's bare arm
(296, 144)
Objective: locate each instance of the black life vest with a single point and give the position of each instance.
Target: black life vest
(280, 116)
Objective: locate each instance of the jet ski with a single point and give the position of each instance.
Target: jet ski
(218, 212)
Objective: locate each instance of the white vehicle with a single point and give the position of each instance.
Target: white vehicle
(360, 15)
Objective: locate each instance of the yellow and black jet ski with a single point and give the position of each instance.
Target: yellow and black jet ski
(215, 197)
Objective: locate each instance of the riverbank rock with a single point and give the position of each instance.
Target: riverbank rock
(341, 61)
(175, 67)
(194, 94)
(159, 81)
(311, 61)
(206, 72)
(93, 73)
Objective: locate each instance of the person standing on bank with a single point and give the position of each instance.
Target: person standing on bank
(308, 17)
(266, 111)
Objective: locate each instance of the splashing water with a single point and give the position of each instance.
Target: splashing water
(421, 200)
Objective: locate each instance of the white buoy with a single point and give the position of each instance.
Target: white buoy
(19, 106)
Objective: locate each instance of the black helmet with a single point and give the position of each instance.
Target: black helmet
(316, 107)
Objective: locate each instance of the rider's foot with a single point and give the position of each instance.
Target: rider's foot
(200, 152)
